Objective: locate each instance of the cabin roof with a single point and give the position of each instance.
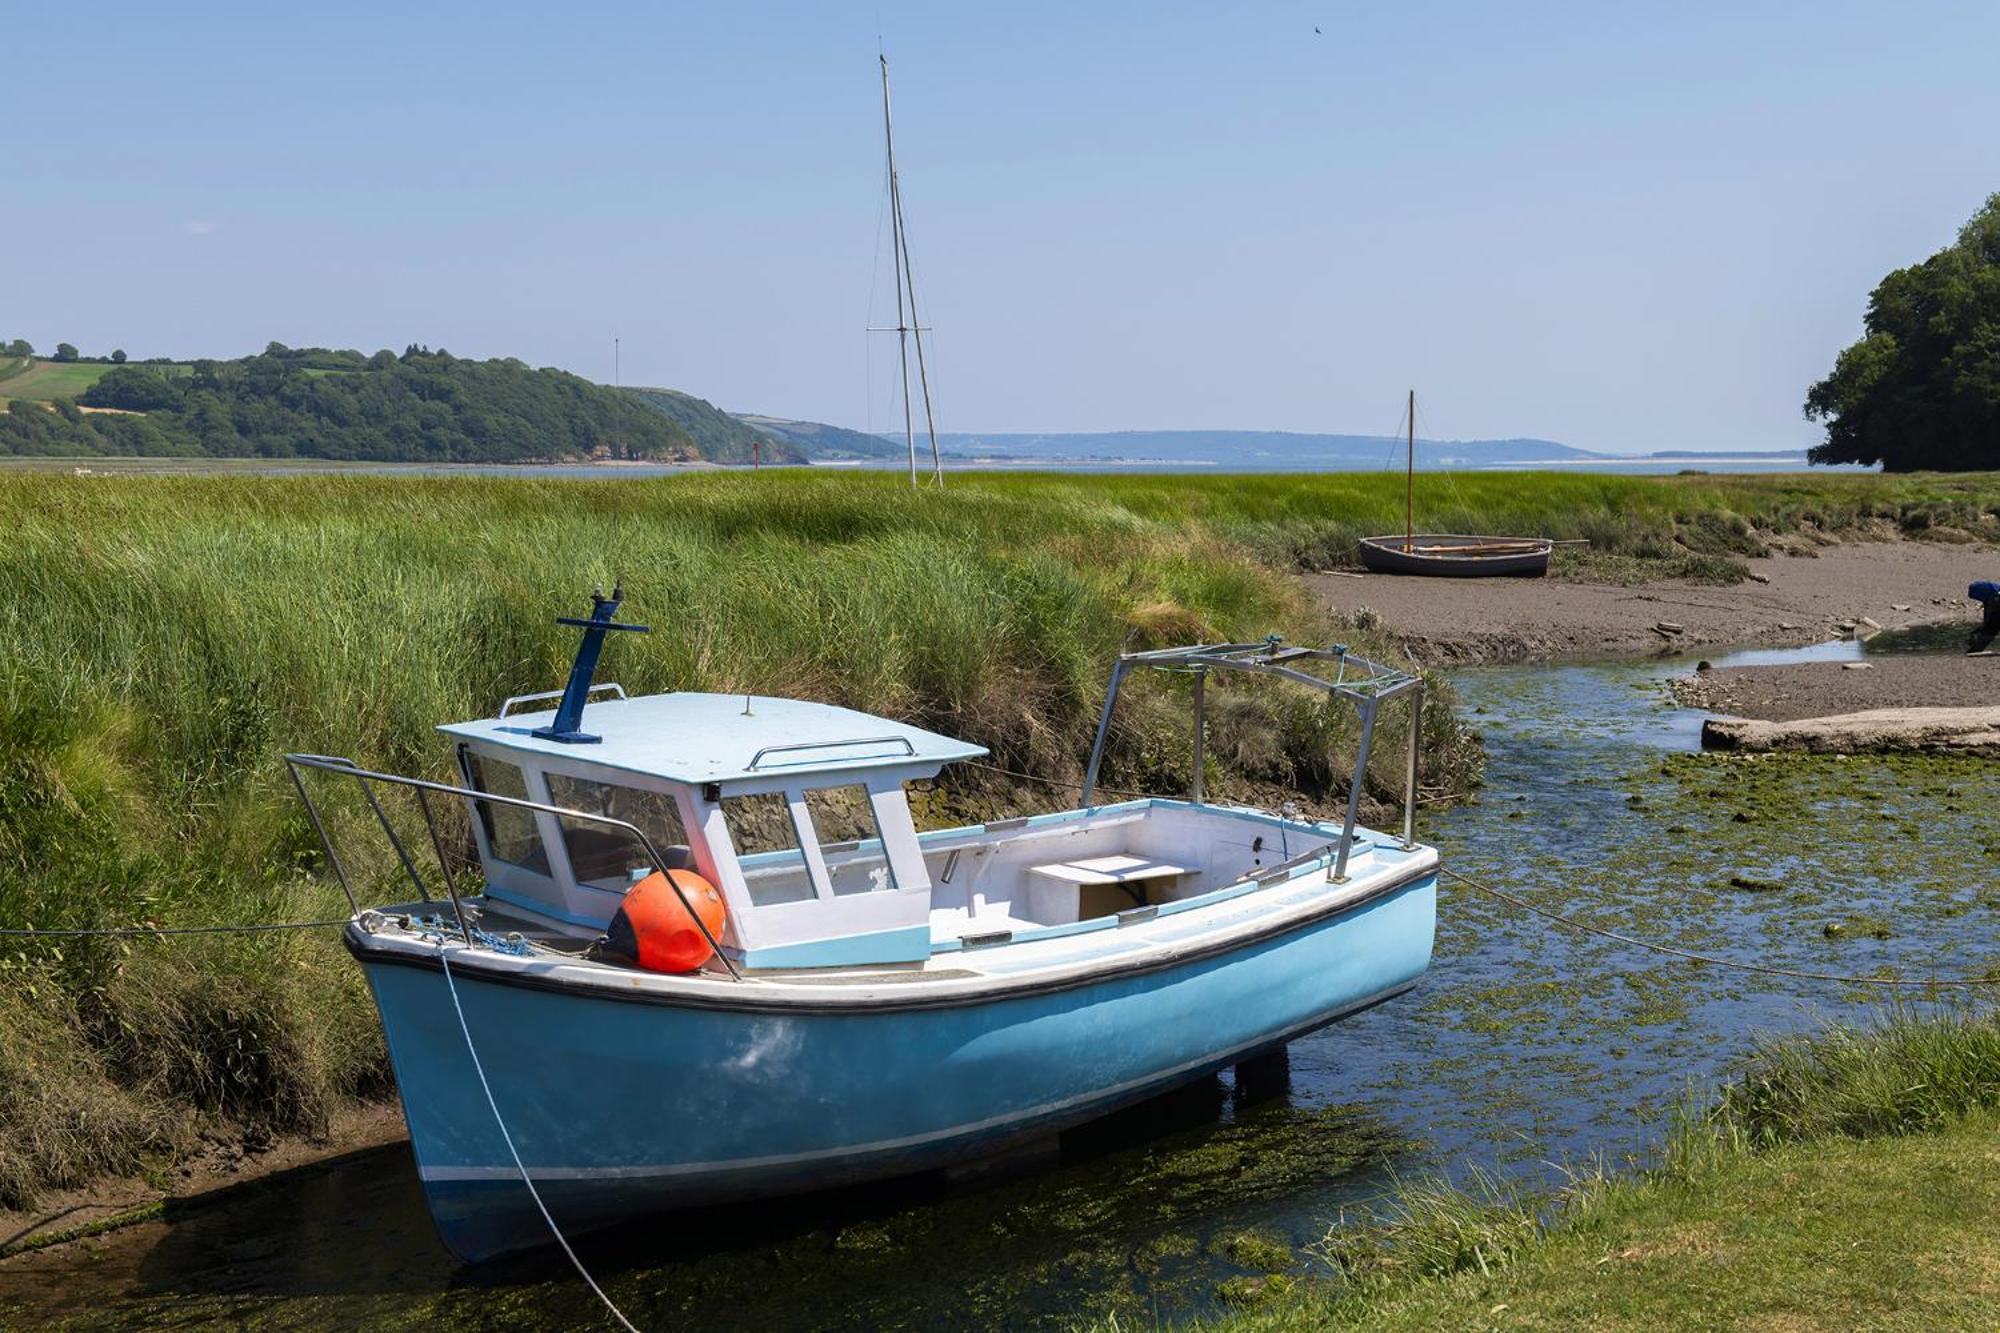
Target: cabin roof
(694, 738)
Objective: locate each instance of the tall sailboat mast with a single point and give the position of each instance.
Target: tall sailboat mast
(908, 326)
(1410, 481)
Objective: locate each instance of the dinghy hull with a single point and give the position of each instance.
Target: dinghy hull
(1453, 555)
(625, 1105)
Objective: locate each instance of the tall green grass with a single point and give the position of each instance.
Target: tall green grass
(163, 641)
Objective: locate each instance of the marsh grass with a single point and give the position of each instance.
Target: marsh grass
(166, 640)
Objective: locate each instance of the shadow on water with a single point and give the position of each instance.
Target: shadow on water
(1135, 1212)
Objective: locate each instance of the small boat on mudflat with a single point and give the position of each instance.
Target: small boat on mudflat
(1453, 555)
(709, 956)
(1457, 555)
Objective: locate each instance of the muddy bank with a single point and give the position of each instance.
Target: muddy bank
(125, 1210)
(1825, 689)
(1802, 599)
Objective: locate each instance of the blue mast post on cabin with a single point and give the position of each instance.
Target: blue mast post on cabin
(568, 723)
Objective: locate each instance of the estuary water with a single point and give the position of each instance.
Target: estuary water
(1526, 1047)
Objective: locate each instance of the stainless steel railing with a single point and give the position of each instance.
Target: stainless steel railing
(363, 777)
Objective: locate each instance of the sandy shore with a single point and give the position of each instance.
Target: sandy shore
(1801, 600)
(1826, 689)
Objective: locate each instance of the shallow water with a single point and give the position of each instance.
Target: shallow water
(1527, 1045)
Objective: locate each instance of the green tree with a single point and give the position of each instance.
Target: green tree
(65, 352)
(20, 347)
(1922, 387)
(132, 389)
(117, 356)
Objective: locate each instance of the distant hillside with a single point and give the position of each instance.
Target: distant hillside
(422, 406)
(720, 436)
(821, 441)
(1253, 448)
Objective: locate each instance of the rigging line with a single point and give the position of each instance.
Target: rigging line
(1447, 476)
(1395, 439)
(508, 1139)
(129, 931)
(1766, 969)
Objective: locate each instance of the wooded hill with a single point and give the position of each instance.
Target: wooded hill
(721, 436)
(421, 406)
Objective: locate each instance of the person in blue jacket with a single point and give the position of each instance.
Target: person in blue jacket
(1987, 594)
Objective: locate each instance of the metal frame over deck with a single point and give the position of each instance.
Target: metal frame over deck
(1364, 683)
(347, 768)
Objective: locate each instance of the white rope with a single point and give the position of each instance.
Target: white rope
(507, 1138)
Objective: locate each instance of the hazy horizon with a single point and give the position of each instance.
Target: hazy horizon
(1623, 232)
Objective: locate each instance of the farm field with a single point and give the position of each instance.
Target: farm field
(45, 381)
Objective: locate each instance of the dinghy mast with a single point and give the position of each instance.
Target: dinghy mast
(1410, 481)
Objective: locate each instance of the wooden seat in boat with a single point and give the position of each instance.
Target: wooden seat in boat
(1101, 885)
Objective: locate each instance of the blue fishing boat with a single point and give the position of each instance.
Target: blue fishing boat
(857, 999)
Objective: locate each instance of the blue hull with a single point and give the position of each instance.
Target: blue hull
(621, 1107)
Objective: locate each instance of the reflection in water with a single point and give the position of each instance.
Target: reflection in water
(1524, 1046)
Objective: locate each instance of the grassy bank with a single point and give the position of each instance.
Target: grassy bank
(1843, 1180)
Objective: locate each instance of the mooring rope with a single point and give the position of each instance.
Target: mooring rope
(508, 1139)
(1767, 969)
(128, 931)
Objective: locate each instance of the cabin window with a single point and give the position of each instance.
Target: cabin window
(849, 840)
(511, 835)
(610, 858)
(767, 845)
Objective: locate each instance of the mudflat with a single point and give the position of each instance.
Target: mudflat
(1829, 689)
(1801, 599)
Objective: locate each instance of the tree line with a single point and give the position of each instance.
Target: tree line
(22, 348)
(419, 406)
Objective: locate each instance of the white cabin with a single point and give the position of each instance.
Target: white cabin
(794, 810)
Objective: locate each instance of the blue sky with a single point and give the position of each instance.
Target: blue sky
(1624, 230)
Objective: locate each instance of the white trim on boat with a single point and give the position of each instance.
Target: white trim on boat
(1077, 960)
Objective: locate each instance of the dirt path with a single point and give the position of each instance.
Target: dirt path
(1802, 600)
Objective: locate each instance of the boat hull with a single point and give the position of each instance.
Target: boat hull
(621, 1107)
(1452, 555)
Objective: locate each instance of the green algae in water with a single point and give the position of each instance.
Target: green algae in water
(1257, 1251)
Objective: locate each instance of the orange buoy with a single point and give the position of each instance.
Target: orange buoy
(654, 929)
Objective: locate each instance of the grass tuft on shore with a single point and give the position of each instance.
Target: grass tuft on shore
(1872, 1143)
